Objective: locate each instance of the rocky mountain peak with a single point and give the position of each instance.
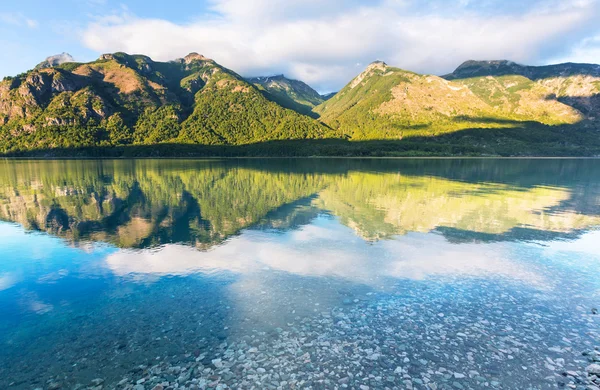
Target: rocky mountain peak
(486, 63)
(377, 65)
(107, 57)
(373, 66)
(195, 57)
(55, 60)
(474, 68)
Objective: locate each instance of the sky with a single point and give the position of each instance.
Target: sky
(322, 42)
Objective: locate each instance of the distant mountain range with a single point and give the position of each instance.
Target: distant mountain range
(504, 68)
(292, 94)
(131, 100)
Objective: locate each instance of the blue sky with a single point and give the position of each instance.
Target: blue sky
(323, 42)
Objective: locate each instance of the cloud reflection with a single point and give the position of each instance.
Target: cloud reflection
(7, 280)
(328, 249)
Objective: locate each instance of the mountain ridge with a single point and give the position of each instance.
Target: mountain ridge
(122, 99)
(389, 102)
(131, 99)
(474, 68)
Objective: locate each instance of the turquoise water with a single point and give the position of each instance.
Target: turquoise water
(327, 273)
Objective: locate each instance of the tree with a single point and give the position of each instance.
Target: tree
(158, 125)
(118, 132)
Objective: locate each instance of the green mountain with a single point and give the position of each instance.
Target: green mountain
(328, 96)
(123, 99)
(503, 68)
(391, 103)
(131, 105)
(292, 94)
(577, 85)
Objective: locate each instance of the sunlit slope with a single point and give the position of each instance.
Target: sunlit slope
(577, 85)
(385, 102)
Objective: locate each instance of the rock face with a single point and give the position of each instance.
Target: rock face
(194, 57)
(55, 60)
(371, 69)
(22, 98)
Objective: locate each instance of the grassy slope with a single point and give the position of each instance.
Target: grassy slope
(389, 103)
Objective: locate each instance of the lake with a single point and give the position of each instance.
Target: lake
(309, 273)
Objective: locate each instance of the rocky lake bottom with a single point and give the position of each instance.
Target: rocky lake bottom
(317, 293)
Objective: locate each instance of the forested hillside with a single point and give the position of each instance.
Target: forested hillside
(130, 105)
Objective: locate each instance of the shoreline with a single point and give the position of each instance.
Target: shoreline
(210, 158)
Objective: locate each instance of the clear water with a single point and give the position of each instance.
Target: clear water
(325, 273)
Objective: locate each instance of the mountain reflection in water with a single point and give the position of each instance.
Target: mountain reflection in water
(146, 203)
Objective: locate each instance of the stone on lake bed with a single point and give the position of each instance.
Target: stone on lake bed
(374, 356)
(593, 369)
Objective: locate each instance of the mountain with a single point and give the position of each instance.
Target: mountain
(485, 107)
(124, 99)
(55, 60)
(503, 68)
(577, 85)
(292, 94)
(328, 96)
(391, 103)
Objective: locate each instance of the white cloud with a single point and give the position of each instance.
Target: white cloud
(321, 41)
(587, 51)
